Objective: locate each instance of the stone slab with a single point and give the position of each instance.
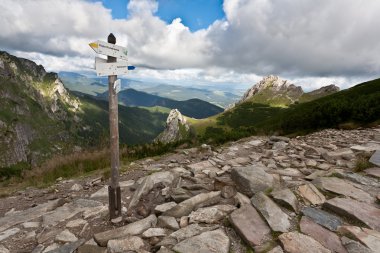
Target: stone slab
(360, 211)
(250, 226)
(325, 237)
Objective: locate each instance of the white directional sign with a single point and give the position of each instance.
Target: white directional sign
(117, 86)
(104, 68)
(101, 47)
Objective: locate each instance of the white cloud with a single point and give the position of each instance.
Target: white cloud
(311, 43)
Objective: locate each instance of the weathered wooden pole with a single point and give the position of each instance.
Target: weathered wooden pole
(114, 187)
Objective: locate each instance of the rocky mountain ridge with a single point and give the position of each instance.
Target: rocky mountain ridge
(273, 194)
(275, 91)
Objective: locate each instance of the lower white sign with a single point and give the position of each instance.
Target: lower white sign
(117, 86)
(104, 68)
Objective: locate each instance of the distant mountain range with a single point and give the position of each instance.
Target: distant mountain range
(96, 85)
(194, 108)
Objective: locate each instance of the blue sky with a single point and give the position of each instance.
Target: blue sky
(195, 14)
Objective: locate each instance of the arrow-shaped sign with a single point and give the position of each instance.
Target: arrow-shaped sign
(104, 68)
(101, 47)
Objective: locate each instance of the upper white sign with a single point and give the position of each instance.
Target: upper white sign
(101, 47)
(104, 68)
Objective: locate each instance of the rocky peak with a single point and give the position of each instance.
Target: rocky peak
(274, 84)
(176, 128)
(12, 66)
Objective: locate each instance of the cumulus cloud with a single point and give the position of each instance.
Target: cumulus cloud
(306, 41)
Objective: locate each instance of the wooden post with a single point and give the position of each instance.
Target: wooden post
(114, 187)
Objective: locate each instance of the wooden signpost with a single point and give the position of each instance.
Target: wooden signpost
(112, 68)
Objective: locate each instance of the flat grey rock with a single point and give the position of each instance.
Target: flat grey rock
(295, 242)
(8, 233)
(251, 179)
(250, 226)
(276, 218)
(323, 218)
(210, 215)
(167, 222)
(354, 246)
(165, 177)
(135, 228)
(286, 198)
(360, 211)
(375, 158)
(68, 248)
(66, 236)
(3, 249)
(207, 242)
(130, 243)
(164, 207)
(368, 237)
(325, 237)
(342, 187)
(186, 207)
(190, 231)
(311, 195)
(28, 214)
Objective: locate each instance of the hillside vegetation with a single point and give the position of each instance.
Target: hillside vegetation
(39, 118)
(358, 105)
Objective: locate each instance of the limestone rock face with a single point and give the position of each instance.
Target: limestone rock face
(31, 96)
(176, 128)
(276, 87)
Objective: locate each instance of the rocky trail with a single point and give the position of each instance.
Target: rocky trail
(274, 194)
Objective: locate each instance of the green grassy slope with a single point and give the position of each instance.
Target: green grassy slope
(359, 105)
(136, 125)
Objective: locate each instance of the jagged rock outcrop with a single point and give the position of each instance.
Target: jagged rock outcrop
(176, 128)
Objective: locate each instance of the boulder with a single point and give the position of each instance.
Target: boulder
(294, 242)
(210, 215)
(368, 237)
(186, 207)
(325, 237)
(66, 236)
(135, 228)
(190, 231)
(251, 179)
(276, 218)
(375, 158)
(167, 222)
(359, 211)
(165, 177)
(311, 195)
(250, 226)
(354, 246)
(130, 243)
(211, 241)
(323, 218)
(286, 198)
(342, 187)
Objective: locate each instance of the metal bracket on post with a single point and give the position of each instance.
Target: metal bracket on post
(114, 202)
